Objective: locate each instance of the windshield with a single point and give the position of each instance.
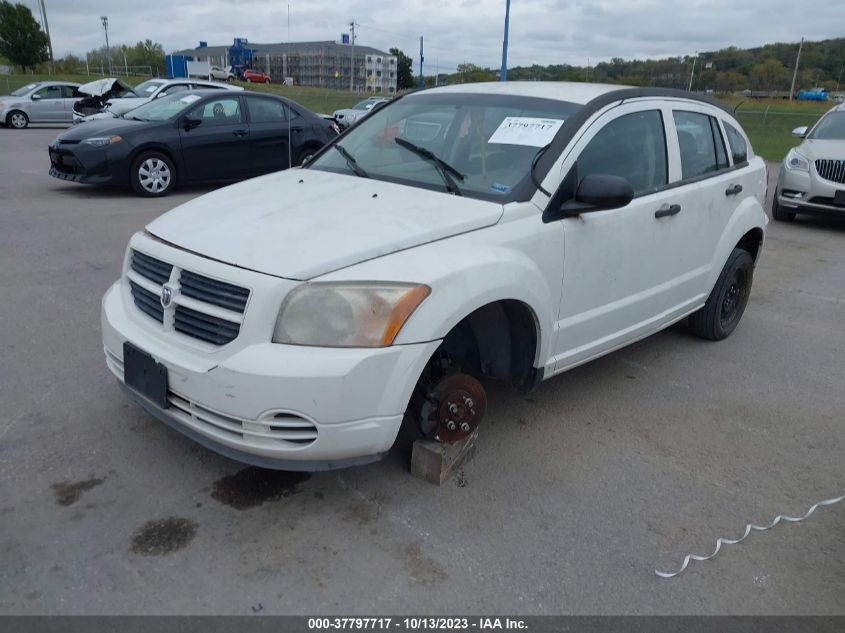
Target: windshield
(490, 140)
(830, 128)
(146, 88)
(363, 105)
(164, 108)
(25, 90)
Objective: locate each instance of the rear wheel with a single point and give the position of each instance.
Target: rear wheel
(248, 80)
(17, 120)
(267, 81)
(153, 175)
(779, 213)
(305, 155)
(726, 303)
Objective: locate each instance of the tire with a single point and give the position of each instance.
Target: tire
(267, 81)
(779, 213)
(17, 120)
(726, 303)
(305, 155)
(248, 80)
(152, 175)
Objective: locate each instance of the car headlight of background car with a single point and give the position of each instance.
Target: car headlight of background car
(796, 161)
(347, 314)
(100, 141)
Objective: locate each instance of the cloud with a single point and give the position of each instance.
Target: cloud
(541, 31)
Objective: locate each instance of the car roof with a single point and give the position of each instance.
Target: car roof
(45, 84)
(580, 93)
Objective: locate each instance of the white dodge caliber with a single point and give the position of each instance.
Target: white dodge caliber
(508, 231)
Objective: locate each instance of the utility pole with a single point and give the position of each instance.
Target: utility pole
(795, 72)
(503, 73)
(46, 31)
(422, 58)
(105, 21)
(692, 73)
(352, 67)
(838, 79)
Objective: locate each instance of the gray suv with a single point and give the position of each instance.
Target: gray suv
(812, 176)
(39, 102)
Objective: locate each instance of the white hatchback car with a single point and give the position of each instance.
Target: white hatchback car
(508, 231)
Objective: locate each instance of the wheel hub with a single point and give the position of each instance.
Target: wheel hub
(456, 406)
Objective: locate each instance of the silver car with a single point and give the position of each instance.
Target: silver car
(812, 176)
(39, 102)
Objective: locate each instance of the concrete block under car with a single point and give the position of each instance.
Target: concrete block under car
(436, 462)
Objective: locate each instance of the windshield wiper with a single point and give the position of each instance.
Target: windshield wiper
(443, 168)
(350, 160)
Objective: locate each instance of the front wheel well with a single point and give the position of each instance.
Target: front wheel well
(498, 340)
(751, 242)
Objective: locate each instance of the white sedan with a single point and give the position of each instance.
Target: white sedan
(504, 231)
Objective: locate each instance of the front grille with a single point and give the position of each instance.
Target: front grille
(203, 308)
(150, 267)
(205, 327)
(147, 302)
(65, 163)
(217, 293)
(831, 202)
(833, 170)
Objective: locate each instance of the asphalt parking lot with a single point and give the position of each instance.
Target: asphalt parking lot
(577, 492)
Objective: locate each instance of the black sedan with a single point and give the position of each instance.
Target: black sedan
(189, 137)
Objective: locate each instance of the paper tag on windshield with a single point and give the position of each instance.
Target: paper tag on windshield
(190, 98)
(520, 130)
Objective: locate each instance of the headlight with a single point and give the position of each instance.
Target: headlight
(796, 161)
(347, 314)
(100, 141)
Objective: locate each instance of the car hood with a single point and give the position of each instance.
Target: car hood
(303, 223)
(103, 127)
(100, 87)
(814, 148)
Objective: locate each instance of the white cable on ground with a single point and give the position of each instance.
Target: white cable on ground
(748, 528)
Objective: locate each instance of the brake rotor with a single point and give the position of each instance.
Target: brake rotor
(456, 406)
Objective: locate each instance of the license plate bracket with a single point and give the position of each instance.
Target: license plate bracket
(143, 374)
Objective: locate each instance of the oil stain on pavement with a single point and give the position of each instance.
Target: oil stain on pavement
(68, 492)
(253, 486)
(163, 536)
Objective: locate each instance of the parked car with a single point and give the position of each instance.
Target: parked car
(193, 136)
(154, 89)
(348, 116)
(223, 74)
(95, 94)
(39, 102)
(256, 76)
(507, 230)
(812, 176)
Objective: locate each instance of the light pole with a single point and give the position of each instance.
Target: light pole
(503, 73)
(105, 21)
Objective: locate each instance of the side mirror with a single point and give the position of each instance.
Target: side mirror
(800, 132)
(189, 124)
(36, 97)
(598, 192)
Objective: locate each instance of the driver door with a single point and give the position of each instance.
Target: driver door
(216, 148)
(49, 104)
(616, 274)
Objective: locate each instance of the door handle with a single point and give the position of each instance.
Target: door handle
(666, 210)
(240, 132)
(732, 191)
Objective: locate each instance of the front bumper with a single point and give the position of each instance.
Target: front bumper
(344, 405)
(90, 165)
(807, 192)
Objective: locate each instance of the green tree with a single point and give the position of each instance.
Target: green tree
(470, 73)
(404, 75)
(21, 39)
(770, 75)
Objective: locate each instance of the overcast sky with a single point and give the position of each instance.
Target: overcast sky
(541, 31)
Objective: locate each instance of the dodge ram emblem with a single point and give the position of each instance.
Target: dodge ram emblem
(166, 296)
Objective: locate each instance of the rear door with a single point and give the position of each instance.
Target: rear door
(217, 147)
(272, 124)
(70, 95)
